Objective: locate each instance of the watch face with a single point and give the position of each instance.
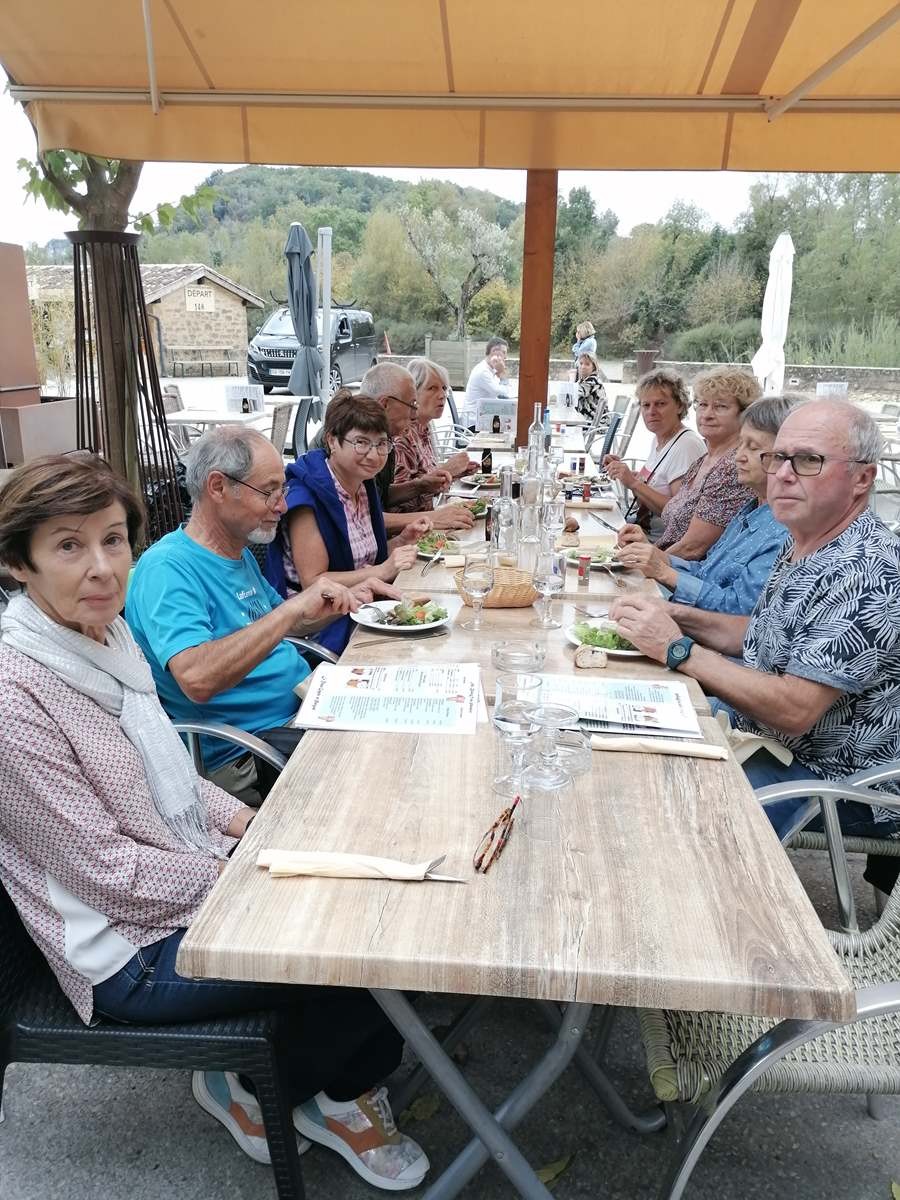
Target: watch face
(679, 651)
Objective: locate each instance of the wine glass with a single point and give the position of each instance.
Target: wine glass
(549, 578)
(546, 773)
(553, 520)
(477, 581)
(514, 698)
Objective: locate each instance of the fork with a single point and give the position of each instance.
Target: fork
(593, 615)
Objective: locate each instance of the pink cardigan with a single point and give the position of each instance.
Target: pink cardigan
(80, 839)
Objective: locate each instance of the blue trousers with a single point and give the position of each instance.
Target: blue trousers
(340, 1041)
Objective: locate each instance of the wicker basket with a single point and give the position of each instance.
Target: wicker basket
(512, 589)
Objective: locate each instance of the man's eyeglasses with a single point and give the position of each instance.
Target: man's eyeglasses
(362, 445)
(801, 464)
(491, 845)
(413, 407)
(271, 498)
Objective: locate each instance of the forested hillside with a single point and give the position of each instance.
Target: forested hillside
(440, 258)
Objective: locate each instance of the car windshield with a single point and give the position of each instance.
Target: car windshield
(279, 324)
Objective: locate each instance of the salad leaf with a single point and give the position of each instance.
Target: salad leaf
(597, 556)
(410, 613)
(588, 635)
(434, 541)
(478, 507)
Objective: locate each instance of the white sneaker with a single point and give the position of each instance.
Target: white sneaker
(221, 1094)
(363, 1132)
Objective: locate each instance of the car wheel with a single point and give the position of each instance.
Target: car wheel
(335, 380)
(267, 387)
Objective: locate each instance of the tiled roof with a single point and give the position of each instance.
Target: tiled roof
(158, 279)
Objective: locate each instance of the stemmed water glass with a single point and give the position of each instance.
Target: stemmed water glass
(514, 698)
(477, 581)
(553, 520)
(546, 773)
(549, 577)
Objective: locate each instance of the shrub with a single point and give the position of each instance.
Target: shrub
(716, 342)
(408, 337)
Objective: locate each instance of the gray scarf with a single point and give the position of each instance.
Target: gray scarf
(116, 676)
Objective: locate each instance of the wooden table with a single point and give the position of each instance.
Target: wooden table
(652, 882)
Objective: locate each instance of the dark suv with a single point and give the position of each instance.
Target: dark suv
(271, 353)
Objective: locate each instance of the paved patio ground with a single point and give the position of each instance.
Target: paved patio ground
(95, 1134)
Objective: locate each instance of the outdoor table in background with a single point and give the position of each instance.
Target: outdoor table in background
(212, 417)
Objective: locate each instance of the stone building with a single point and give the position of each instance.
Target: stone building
(197, 316)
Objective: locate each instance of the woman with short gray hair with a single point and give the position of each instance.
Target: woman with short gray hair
(737, 566)
(415, 449)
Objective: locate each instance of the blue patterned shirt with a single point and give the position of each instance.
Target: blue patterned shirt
(732, 575)
(834, 617)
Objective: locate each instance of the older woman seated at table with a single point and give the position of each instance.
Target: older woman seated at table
(663, 399)
(710, 493)
(731, 577)
(591, 392)
(415, 449)
(109, 841)
(334, 523)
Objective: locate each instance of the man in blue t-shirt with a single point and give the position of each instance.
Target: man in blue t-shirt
(207, 621)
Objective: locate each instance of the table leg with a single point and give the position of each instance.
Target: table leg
(403, 1095)
(649, 1122)
(491, 1139)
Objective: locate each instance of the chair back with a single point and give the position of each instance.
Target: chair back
(281, 418)
(301, 421)
(20, 959)
(620, 404)
(627, 428)
(461, 436)
(172, 401)
(615, 420)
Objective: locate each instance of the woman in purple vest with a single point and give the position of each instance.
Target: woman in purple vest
(334, 523)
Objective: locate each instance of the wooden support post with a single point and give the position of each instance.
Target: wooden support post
(537, 296)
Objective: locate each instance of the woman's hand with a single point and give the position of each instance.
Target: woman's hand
(460, 464)
(629, 534)
(647, 558)
(453, 516)
(399, 560)
(646, 622)
(435, 481)
(238, 825)
(411, 533)
(617, 470)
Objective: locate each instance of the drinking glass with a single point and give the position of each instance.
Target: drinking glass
(553, 520)
(546, 773)
(514, 699)
(477, 580)
(549, 577)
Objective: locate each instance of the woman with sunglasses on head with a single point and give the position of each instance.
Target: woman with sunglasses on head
(334, 524)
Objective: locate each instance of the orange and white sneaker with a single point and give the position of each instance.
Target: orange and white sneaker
(363, 1132)
(221, 1094)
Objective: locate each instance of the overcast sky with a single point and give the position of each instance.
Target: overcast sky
(636, 196)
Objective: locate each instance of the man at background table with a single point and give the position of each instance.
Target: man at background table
(487, 379)
(821, 650)
(211, 627)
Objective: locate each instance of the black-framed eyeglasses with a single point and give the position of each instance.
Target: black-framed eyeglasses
(271, 498)
(801, 464)
(362, 445)
(413, 407)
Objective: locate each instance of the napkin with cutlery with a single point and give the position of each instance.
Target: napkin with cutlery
(335, 865)
(626, 744)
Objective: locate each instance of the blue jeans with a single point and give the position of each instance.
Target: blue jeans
(339, 1040)
(762, 769)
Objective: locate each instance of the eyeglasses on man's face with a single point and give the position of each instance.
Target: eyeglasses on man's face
(271, 498)
(413, 406)
(362, 445)
(803, 463)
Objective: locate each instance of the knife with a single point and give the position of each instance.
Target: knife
(592, 513)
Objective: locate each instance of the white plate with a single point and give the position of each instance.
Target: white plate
(597, 566)
(572, 639)
(474, 481)
(365, 618)
(426, 554)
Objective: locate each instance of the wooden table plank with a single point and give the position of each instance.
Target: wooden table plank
(499, 624)
(652, 881)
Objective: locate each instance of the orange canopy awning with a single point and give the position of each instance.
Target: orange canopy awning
(698, 84)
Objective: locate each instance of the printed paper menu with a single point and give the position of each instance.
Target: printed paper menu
(440, 698)
(636, 706)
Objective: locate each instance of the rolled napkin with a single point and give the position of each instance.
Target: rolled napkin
(596, 502)
(335, 865)
(452, 561)
(637, 745)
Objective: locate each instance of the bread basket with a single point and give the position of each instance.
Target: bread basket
(512, 589)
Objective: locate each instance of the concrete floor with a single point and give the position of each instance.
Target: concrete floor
(90, 1133)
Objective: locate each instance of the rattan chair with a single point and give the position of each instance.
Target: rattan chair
(709, 1060)
(39, 1025)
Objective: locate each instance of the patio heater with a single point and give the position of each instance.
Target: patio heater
(119, 406)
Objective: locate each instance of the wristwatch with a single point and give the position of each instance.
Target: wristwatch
(678, 652)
